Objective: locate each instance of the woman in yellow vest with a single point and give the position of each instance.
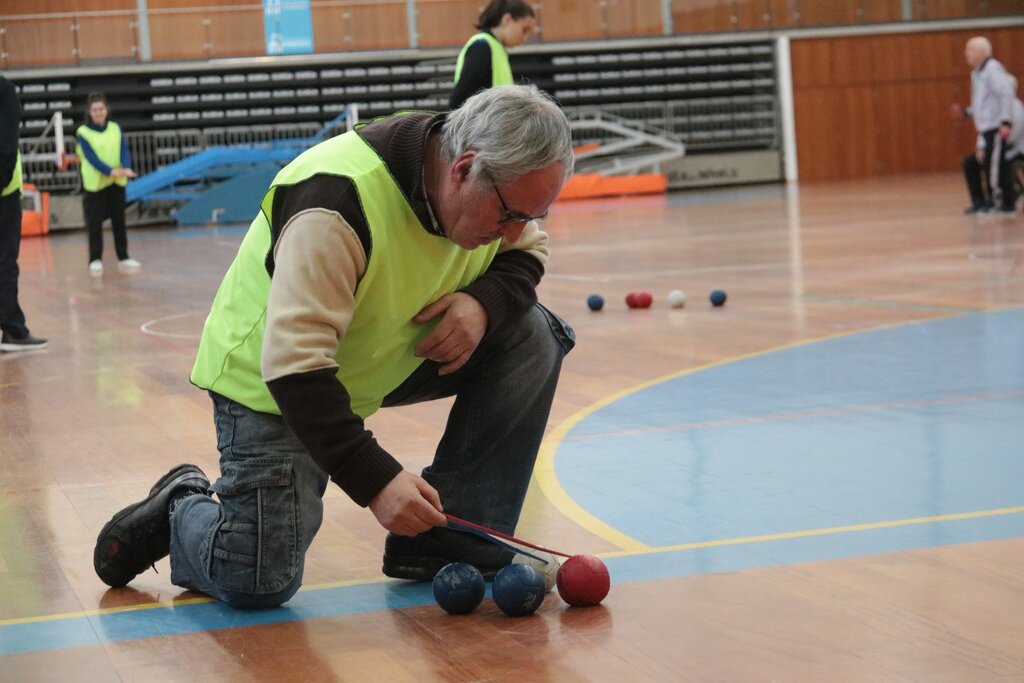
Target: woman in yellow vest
(483, 62)
(106, 167)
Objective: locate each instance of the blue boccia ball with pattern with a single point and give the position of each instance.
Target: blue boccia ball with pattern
(458, 588)
(518, 590)
(718, 297)
(595, 302)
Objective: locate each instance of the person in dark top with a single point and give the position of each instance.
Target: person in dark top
(16, 336)
(483, 62)
(394, 264)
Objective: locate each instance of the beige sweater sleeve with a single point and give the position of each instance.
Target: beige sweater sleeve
(318, 263)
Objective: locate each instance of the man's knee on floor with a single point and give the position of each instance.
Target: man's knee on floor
(247, 601)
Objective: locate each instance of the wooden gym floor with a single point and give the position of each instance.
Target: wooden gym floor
(820, 481)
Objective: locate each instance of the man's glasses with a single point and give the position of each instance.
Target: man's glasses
(508, 215)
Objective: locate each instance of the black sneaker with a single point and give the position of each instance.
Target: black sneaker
(140, 534)
(10, 343)
(419, 558)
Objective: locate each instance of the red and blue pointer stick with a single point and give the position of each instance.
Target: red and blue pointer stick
(493, 536)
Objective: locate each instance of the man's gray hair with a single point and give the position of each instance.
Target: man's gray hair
(514, 129)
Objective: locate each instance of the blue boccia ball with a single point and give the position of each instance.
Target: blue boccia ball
(458, 588)
(595, 302)
(518, 590)
(718, 297)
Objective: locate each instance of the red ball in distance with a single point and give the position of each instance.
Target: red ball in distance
(644, 299)
(631, 299)
(583, 581)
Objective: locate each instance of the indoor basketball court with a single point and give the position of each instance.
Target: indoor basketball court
(819, 479)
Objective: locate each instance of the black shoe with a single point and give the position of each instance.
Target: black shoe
(419, 558)
(10, 343)
(140, 534)
(1007, 209)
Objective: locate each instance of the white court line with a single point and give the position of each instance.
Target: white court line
(145, 327)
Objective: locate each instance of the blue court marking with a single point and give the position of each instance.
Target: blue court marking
(885, 441)
(914, 421)
(45, 634)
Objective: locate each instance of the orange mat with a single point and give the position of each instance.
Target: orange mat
(589, 185)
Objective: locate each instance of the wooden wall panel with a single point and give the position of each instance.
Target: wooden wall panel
(784, 13)
(107, 38)
(447, 23)
(178, 36)
(707, 15)
(831, 120)
(877, 11)
(811, 63)
(384, 26)
(946, 9)
(14, 7)
(360, 27)
(200, 4)
(829, 12)
(236, 34)
(903, 84)
(41, 42)
(1004, 7)
(572, 20)
(625, 18)
(753, 15)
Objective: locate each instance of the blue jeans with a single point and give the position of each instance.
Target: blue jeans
(247, 548)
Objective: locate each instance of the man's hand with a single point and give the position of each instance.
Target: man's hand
(408, 505)
(458, 334)
(956, 111)
(121, 172)
(1004, 131)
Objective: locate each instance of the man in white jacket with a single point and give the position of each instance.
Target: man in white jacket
(992, 100)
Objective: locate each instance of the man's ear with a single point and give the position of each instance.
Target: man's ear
(461, 168)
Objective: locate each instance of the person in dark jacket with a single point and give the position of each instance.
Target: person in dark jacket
(16, 336)
(483, 62)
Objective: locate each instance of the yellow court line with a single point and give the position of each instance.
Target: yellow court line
(824, 532)
(166, 604)
(644, 549)
(547, 479)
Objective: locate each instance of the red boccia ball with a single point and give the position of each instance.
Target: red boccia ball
(644, 299)
(583, 581)
(631, 299)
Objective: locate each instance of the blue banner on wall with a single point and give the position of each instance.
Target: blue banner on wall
(288, 27)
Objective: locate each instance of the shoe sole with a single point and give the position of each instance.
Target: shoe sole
(22, 347)
(99, 561)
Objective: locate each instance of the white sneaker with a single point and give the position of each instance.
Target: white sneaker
(129, 265)
(96, 268)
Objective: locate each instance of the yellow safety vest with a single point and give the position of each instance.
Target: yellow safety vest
(408, 268)
(107, 146)
(501, 70)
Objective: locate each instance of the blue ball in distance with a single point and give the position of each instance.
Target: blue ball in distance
(458, 588)
(718, 297)
(518, 590)
(595, 302)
